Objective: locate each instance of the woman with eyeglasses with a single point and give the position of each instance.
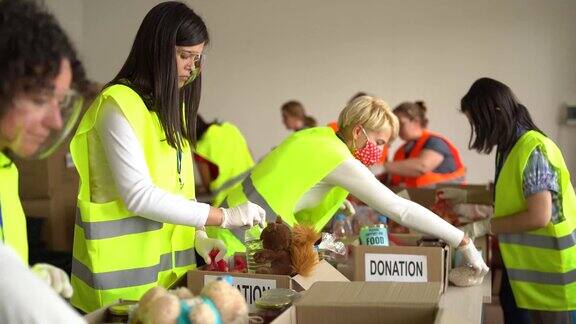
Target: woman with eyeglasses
(39, 105)
(307, 177)
(534, 207)
(138, 222)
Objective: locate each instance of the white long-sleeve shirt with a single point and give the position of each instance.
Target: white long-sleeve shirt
(26, 299)
(130, 176)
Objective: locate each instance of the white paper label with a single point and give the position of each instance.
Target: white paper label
(251, 288)
(395, 267)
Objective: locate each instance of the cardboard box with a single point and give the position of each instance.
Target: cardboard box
(251, 285)
(48, 189)
(368, 302)
(406, 263)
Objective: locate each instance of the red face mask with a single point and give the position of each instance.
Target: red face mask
(370, 154)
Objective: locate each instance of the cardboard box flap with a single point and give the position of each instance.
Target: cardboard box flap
(370, 293)
(322, 272)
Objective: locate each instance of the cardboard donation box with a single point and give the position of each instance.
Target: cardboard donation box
(368, 302)
(405, 263)
(251, 285)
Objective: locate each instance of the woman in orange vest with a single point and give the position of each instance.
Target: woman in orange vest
(426, 158)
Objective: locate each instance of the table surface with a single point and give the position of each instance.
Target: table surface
(464, 305)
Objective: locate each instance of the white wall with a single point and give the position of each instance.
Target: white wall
(321, 52)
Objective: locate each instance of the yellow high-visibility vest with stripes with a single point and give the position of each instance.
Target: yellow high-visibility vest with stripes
(225, 146)
(12, 219)
(289, 171)
(541, 264)
(118, 254)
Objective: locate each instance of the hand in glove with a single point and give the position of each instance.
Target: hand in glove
(56, 278)
(204, 245)
(473, 258)
(454, 195)
(246, 214)
(347, 208)
(477, 229)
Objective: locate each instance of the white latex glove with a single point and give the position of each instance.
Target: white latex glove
(246, 214)
(473, 258)
(347, 208)
(204, 245)
(454, 195)
(477, 229)
(55, 278)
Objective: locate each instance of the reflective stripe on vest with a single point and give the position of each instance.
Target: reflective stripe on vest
(430, 178)
(118, 254)
(13, 227)
(131, 277)
(541, 264)
(280, 179)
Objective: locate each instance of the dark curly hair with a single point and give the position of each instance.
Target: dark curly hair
(32, 46)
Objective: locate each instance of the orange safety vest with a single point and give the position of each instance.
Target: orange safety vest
(383, 158)
(431, 177)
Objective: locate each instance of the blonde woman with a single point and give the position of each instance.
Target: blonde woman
(308, 176)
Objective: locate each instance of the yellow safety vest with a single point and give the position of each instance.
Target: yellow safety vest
(12, 219)
(289, 171)
(225, 146)
(541, 264)
(118, 254)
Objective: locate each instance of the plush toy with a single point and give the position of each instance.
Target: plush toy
(304, 256)
(288, 251)
(218, 302)
(276, 240)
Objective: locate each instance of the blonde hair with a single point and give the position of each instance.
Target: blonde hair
(372, 113)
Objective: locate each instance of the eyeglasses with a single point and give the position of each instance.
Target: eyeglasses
(197, 59)
(69, 106)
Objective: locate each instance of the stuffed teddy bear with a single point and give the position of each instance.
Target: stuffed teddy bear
(218, 302)
(289, 251)
(276, 240)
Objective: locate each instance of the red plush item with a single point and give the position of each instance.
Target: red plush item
(221, 265)
(239, 263)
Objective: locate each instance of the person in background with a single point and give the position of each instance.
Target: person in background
(426, 158)
(40, 81)
(294, 116)
(309, 175)
(137, 213)
(217, 143)
(534, 208)
(224, 160)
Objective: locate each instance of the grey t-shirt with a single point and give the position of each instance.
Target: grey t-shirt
(440, 146)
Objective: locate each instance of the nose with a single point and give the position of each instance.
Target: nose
(53, 118)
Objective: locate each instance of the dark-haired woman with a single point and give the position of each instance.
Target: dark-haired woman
(535, 205)
(137, 221)
(426, 158)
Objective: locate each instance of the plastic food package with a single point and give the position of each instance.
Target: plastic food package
(329, 243)
(465, 277)
(217, 266)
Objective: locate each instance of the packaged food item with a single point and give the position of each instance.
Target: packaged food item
(375, 235)
(120, 313)
(221, 265)
(465, 277)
